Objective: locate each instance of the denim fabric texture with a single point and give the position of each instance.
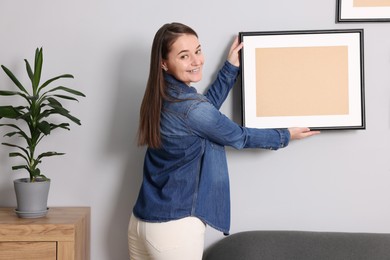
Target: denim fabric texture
(188, 175)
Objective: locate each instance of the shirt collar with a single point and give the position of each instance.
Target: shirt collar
(177, 86)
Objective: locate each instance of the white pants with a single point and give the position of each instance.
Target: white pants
(172, 240)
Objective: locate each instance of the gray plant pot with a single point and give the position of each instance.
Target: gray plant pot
(31, 198)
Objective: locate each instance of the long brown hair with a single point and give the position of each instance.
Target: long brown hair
(155, 93)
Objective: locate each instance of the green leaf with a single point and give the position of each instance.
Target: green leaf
(65, 113)
(35, 172)
(19, 167)
(26, 117)
(72, 91)
(15, 146)
(37, 69)
(44, 127)
(8, 93)
(14, 79)
(10, 134)
(53, 102)
(29, 70)
(55, 78)
(21, 132)
(48, 154)
(57, 107)
(63, 125)
(9, 112)
(13, 93)
(66, 97)
(44, 113)
(11, 125)
(18, 155)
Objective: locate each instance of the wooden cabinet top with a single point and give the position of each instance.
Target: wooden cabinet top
(60, 224)
(56, 215)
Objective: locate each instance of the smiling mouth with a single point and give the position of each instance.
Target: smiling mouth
(194, 70)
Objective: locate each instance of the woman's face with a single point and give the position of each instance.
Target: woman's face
(185, 59)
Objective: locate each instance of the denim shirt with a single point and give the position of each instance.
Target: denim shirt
(188, 175)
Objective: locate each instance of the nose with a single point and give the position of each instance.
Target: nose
(197, 60)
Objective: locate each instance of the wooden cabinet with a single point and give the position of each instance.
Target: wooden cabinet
(63, 234)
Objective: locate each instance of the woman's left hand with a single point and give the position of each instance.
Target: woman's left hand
(233, 56)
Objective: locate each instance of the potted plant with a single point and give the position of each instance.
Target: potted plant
(31, 119)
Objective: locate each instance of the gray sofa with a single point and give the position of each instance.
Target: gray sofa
(300, 245)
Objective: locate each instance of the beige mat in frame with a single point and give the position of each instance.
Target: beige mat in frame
(371, 3)
(302, 81)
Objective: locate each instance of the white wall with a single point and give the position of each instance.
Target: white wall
(337, 181)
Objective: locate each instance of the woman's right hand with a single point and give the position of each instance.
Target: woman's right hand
(301, 132)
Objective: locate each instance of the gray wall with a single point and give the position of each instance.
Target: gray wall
(337, 181)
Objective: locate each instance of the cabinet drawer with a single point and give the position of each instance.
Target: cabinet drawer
(28, 250)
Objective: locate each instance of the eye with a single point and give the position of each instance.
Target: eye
(184, 57)
(199, 51)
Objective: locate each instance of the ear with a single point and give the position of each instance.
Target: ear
(164, 66)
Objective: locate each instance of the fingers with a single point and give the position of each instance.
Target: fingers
(301, 132)
(235, 48)
(236, 45)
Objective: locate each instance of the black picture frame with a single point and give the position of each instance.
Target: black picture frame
(367, 11)
(274, 97)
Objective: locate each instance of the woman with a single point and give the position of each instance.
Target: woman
(185, 184)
